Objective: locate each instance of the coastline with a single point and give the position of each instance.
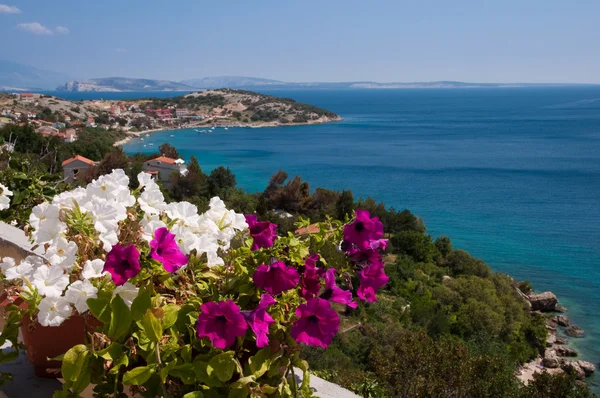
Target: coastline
(221, 123)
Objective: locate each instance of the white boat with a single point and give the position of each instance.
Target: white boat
(172, 135)
(197, 131)
(141, 139)
(226, 128)
(150, 144)
(147, 135)
(144, 145)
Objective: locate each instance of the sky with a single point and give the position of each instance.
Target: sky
(326, 40)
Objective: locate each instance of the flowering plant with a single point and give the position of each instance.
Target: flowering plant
(190, 304)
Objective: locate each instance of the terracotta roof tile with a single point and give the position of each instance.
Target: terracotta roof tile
(80, 158)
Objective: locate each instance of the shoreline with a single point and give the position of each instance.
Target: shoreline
(136, 134)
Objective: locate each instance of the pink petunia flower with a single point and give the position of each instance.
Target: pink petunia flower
(221, 322)
(371, 278)
(363, 229)
(166, 251)
(122, 263)
(263, 232)
(317, 324)
(311, 282)
(335, 294)
(276, 278)
(259, 320)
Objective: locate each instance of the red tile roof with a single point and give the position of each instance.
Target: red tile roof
(152, 172)
(312, 229)
(163, 159)
(80, 158)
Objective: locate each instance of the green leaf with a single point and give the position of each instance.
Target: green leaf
(74, 362)
(123, 360)
(222, 366)
(151, 326)
(240, 383)
(141, 304)
(164, 372)
(238, 392)
(201, 370)
(170, 315)
(112, 352)
(185, 372)
(120, 318)
(260, 363)
(100, 308)
(194, 394)
(82, 382)
(139, 375)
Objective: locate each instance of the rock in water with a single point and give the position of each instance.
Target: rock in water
(562, 320)
(543, 302)
(573, 367)
(563, 351)
(550, 359)
(560, 340)
(551, 340)
(560, 308)
(587, 367)
(575, 331)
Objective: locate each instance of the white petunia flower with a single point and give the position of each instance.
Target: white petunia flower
(185, 238)
(146, 180)
(107, 215)
(185, 213)
(43, 212)
(53, 311)
(108, 239)
(93, 269)
(78, 293)
(149, 224)
(62, 253)
(68, 199)
(152, 201)
(25, 269)
(7, 262)
(112, 187)
(128, 292)
(4, 197)
(50, 281)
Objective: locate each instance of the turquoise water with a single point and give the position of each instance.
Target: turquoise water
(511, 175)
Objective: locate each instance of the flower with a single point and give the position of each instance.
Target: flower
(311, 283)
(122, 263)
(42, 212)
(364, 256)
(152, 201)
(146, 180)
(221, 322)
(78, 293)
(44, 219)
(317, 323)
(53, 311)
(7, 262)
(276, 278)
(50, 281)
(185, 213)
(62, 253)
(25, 269)
(363, 229)
(128, 292)
(165, 250)
(333, 293)
(93, 269)
(149, 224)
(259, 320)
(263, 232)
(371, 278)
(4, 197)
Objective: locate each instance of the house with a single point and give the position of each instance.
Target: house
(31, 115)
(70, 135)
(90, 122)
(181, 112)
(47, 131)
(67, 118)
(164, 167)
(164, 113)
(76, 166)
(26, 97)
(59, 125)
(77, 123)
(105, 126)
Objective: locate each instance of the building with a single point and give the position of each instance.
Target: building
(59, 125)
(26, 97)
(75, 167)
(70, 135)
(90, 122)
(47, 131)
(67, 118)
(181, 112)
(165, 167)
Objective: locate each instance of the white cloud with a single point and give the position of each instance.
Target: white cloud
(4, 9)
(35, 28)
(122, 50)
(62, 30)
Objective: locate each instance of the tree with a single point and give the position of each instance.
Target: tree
(221, 181)
(192, 185)
(461, 262)
(113, 160)
(345, 205)
(169, 151)
(444, 245)
(415, 244)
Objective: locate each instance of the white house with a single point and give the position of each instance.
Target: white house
(164, 167)
(75, 166)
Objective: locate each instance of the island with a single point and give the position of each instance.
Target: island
(53, 116)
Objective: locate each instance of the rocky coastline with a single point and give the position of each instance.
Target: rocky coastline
(558, 357)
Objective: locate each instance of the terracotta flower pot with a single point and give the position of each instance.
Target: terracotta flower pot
(48, 342)
(7, 299)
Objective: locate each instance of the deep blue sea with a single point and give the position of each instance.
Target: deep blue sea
(512, 175)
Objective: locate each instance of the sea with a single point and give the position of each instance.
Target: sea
(512, 175)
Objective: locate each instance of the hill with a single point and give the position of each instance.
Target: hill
(231, 82)
(120, 84)
(17, 77)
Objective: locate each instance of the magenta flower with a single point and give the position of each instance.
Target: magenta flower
(311, 283)
(221, 322)
(276, 278)
(333, 293)
(165, 250)
(263, 232)
(317, 323)
(122, 263)
(363, 229)
(259, 320)
(371, 278)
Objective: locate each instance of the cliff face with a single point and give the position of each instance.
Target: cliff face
(120, 84)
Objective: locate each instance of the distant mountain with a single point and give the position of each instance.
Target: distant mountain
(121, 84)
(14, 76)
(231, 82)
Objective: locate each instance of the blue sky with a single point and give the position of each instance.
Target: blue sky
(325, 40)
